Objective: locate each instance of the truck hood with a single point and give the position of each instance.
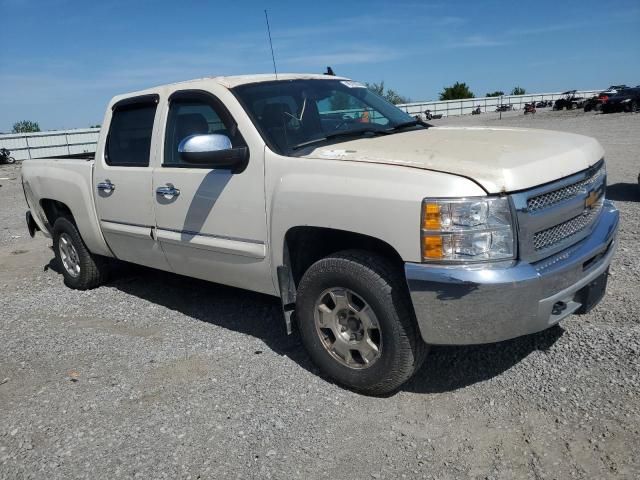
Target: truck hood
(499, 159)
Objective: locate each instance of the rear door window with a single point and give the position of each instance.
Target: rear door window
(129, 140)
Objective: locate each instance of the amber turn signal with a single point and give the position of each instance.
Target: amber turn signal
(432, 246)
(431, 216)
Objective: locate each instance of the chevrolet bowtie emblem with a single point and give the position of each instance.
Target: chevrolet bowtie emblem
(591, 199)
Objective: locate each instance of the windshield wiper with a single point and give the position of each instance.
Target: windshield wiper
(411, 123)
(348, 133)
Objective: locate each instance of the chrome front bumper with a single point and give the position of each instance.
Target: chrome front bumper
(461, 305)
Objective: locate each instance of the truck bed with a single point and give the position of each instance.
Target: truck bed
(68, 181)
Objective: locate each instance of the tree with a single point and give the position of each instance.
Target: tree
(376, 88)
(390, 95)
(497, 93)
(395, 97)
(456, 91)
(25, 126)
(518, 91)
(340, 101)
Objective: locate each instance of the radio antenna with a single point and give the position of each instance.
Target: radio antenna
(275, 70)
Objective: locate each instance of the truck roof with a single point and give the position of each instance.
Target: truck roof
(232, 81)
(235, 80)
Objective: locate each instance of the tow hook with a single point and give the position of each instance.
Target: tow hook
(558, 308)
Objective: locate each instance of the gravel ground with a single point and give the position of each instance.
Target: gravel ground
(160, 376)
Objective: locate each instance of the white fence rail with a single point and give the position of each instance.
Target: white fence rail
(59, 143)
(486, 104)
(56, 143)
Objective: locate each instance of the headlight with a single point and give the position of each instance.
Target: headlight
(467, 229)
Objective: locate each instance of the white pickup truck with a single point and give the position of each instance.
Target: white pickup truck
(381, 234)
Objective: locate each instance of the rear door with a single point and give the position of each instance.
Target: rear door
(123, 182)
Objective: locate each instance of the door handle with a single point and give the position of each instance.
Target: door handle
(107, 186)
(168, 192)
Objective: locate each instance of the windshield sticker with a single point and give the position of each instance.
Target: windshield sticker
(352, 84)
(336, 153)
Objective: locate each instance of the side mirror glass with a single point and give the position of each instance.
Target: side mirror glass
(212, 150)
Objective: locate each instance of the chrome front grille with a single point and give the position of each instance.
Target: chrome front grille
(548, 199)
(555, 216)
(553, 235)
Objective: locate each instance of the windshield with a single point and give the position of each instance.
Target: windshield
(290, 114)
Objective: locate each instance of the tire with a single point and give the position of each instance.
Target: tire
(374, 282)
(72, 255)
(11, 160)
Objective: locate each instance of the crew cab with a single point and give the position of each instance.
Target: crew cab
(380, 233)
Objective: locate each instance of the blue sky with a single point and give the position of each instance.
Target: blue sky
(61, 60)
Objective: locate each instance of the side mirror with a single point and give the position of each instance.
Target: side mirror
(213, 150)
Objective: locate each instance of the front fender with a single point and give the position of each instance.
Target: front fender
(381, 201)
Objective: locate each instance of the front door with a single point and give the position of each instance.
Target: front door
(123, 182)
(211, 223)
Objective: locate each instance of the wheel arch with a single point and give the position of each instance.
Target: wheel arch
(304, 245)
(54, 209)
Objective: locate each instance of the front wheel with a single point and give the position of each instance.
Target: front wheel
(81, 269)
(357, 323)
(11, 160)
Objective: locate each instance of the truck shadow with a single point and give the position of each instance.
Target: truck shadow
(446, 368)
(450, 368)
(624, 192)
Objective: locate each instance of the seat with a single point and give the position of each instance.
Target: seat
(275, 117)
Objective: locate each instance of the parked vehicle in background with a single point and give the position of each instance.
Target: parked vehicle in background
(570, 101)
(5, 156)
(379, 237)
(613, 89)
(544, 104)
(432, 116)
(627, 100)
(596, 102)
(476, 111)
(529, 108)
(504, 108)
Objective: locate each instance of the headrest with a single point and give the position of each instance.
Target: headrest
(273, 114)
(192, 124)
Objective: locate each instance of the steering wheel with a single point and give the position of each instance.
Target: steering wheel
(345, 120)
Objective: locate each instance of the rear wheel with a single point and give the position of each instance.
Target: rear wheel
(11, 160)
(81, 269)
(357, 323)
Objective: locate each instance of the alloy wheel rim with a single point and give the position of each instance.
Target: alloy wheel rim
(69, 255)
(348, 328)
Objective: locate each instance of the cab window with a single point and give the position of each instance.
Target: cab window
(129, 138)
(195, 116)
